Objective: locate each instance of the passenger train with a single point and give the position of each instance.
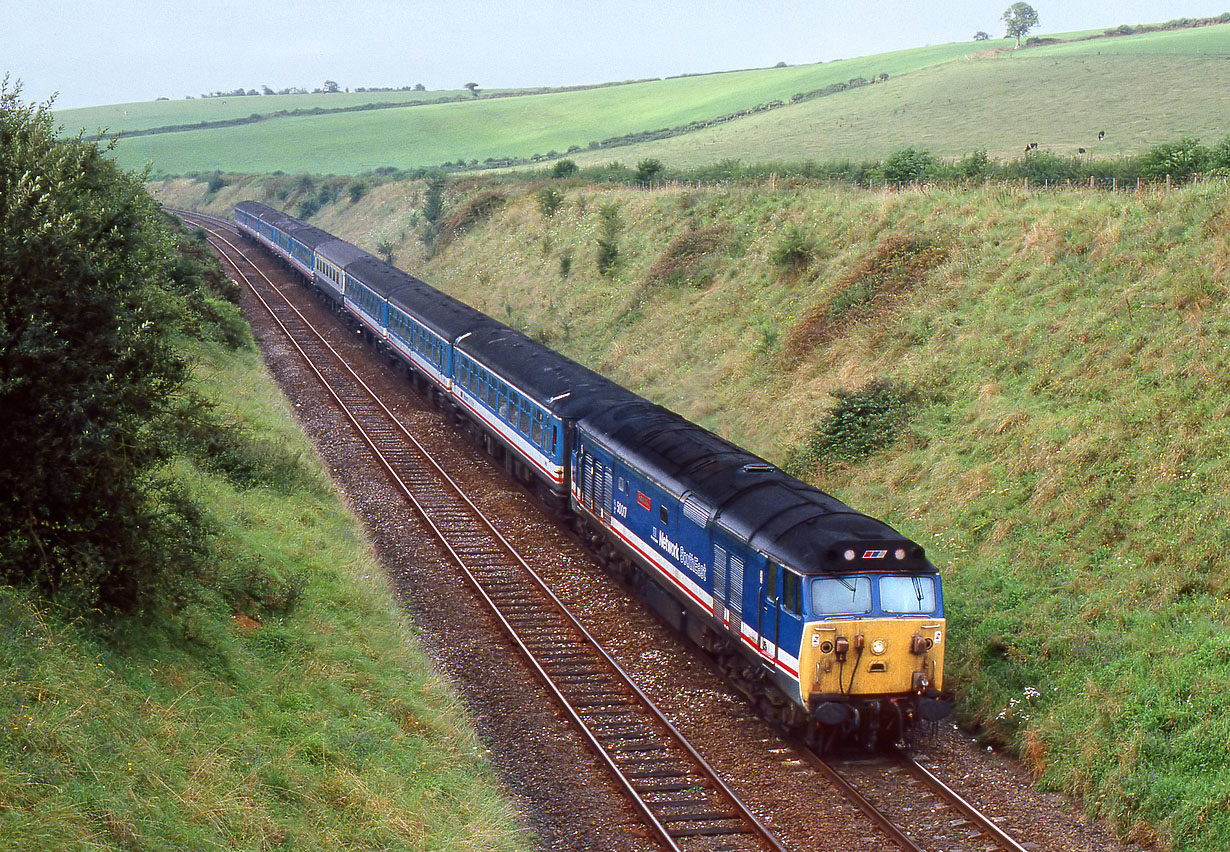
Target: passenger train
(832, 621)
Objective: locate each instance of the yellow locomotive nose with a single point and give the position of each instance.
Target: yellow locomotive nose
(872, 658)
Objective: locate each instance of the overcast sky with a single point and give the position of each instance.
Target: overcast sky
(94, 52)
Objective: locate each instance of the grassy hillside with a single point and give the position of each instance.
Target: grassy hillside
(997, 103)
(951, 99)
(1060, 365)
(311, 720)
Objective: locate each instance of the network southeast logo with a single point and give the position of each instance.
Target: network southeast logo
(875, 554)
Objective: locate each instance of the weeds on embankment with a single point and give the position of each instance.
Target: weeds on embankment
(1062, 457)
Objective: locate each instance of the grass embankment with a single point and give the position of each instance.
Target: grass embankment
(311, 720)
(1067, 413)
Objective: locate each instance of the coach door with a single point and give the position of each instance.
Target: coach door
(728, 589)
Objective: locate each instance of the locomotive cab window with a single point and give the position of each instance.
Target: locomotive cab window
(907, 595)
(664, 515)
(841, 595)
(770, 583)
(792, 598)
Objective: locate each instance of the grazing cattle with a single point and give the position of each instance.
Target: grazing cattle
(1101, 135)
(1080, 150)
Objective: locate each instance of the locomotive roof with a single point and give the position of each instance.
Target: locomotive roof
(788, 520)
(560, 384)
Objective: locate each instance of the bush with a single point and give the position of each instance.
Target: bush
(1180, 159)
(608, 241)
(565, 168)
(89, 376)
(648, 170)
(549, 201)
(861, 422)
(909, 165)
(794, 250)
(433, 203)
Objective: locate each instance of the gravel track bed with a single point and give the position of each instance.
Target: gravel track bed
(566, 798)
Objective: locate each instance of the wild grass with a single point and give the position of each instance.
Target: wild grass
(1063, 462)
(291, 709)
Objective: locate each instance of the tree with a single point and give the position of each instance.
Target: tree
(1019, 19)
(648, 170)
(473, 87)
(331, 87)
(981, 36)
(565, 168)
(89, 376)
(909, 164)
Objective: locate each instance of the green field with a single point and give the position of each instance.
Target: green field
(997, 104)
(351, 143)
(146, 115)
(951, 99)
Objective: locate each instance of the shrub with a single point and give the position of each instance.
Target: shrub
(1175, 159)
(974, 165)
(859, 423)
(909, 165)
(433, 203)
(549, 201)
(565, 168)
(684, 258)
(471, 212)
(357, 190)
(90, 375)
(794, 250)
(649, 169)
(608, 240)
(308, 207)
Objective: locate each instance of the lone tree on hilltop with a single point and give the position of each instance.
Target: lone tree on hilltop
(473, 87)
(981, 36)
(331, 87)
(1019, 19)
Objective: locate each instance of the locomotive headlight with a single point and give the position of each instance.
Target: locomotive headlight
(850, 554)
(878, 646)
(899, 553)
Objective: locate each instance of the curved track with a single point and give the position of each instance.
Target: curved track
(679, 795)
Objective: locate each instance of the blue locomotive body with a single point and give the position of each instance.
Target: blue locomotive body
(836, 613)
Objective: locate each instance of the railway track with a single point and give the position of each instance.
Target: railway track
(681, 798)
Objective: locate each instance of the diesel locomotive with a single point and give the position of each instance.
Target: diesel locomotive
(830, 620)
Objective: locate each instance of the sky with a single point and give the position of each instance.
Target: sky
(88, 52)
